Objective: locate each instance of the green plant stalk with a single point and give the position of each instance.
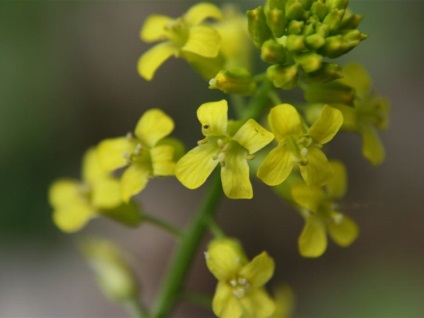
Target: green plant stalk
(182, 259)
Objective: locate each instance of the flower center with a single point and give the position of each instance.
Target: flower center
(240, 286)
(177, 32)
(223, 147)
(299, 147)
(139, 149)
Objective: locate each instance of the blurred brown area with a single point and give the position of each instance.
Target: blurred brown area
(68, 79)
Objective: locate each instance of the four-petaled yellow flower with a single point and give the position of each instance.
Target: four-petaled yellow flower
(186, 36)
(318, 207)
(297, 146)
(240, 291)
(75, 202)
(222, 146)
(369, 114)
(146, 154)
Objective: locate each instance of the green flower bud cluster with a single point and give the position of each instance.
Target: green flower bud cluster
(296, 35)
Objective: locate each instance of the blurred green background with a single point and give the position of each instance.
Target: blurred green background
(68, 79)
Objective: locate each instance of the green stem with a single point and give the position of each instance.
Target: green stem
(162, 224)
(179, 265)
(136, 309)
(198, 299)
(215, 229)
(259, 102)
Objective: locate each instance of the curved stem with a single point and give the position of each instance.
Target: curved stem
(180, 263)
(259, 102)
(136, 309)
(162, 224)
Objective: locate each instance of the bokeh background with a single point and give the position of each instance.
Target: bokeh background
(68, 79)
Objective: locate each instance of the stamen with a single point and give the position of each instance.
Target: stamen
(129, 135)
(137, 150)
(304, 151)
(338, 218)
(206, 255)
(239, 292)
(220, 143)
(233, 282)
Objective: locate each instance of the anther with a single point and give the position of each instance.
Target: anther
(137, 150)
(304, 151)
(129, 135)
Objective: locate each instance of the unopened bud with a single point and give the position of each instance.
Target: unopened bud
(273, 52)
(294, 10)
(315, 41)
(334, 19)
(284, 77)
(319, 9)
(309, 62)
(113, 274)
(330, 93)
(274, 12)
(328, 72)
(295, 27)
(295, 43)
(337, 4)
(350, 20)
(234, 81)
(257, 26)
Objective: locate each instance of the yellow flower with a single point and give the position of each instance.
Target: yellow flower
(299, 147)
(76, 202)
(186, 36)
(318, 207)
(114, 276)
(369, 114)
(240, 291)
(146, 154)
(221, 146)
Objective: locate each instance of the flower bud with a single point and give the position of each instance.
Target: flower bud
(294, 10)
(295, 43)
(350, 20)
(113, 274)
(258, 28)
(309, 62)
(315, 41)
(295, 27)
(234, 81)
(330, 93)
(337, 4)
(275, 17)
(328, 72)
(319, 9)
(334, 19)
(284, 77)
(273, 52)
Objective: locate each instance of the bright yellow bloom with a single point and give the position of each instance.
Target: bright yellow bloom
(240, 291)
(76, 202)
(145, 154)
(297, 146)
(221, 146)
(318, 207)
(369, 114)
(114, 276)
(186, 36)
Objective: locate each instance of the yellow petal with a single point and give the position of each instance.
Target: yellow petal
(153, 126)
(91, 167)
(372, 148)
(64, 192)
(277, 166)
(253, 136)
(344, 231)
(318, 170)
(235, 175)
(162, 160)
(203, 40)
(313, 240)
(224, 258)
(154, 28)
(105, 193)
(112, 152)
(257, 303)
(202, 11)
(150, 61)
(213, 117)
(308, 197)
(71, 218)
(259, 271)
(224, 304)
(327, 125)
(134, 180)
(194, 168)
(337, 185)
(284, 121)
